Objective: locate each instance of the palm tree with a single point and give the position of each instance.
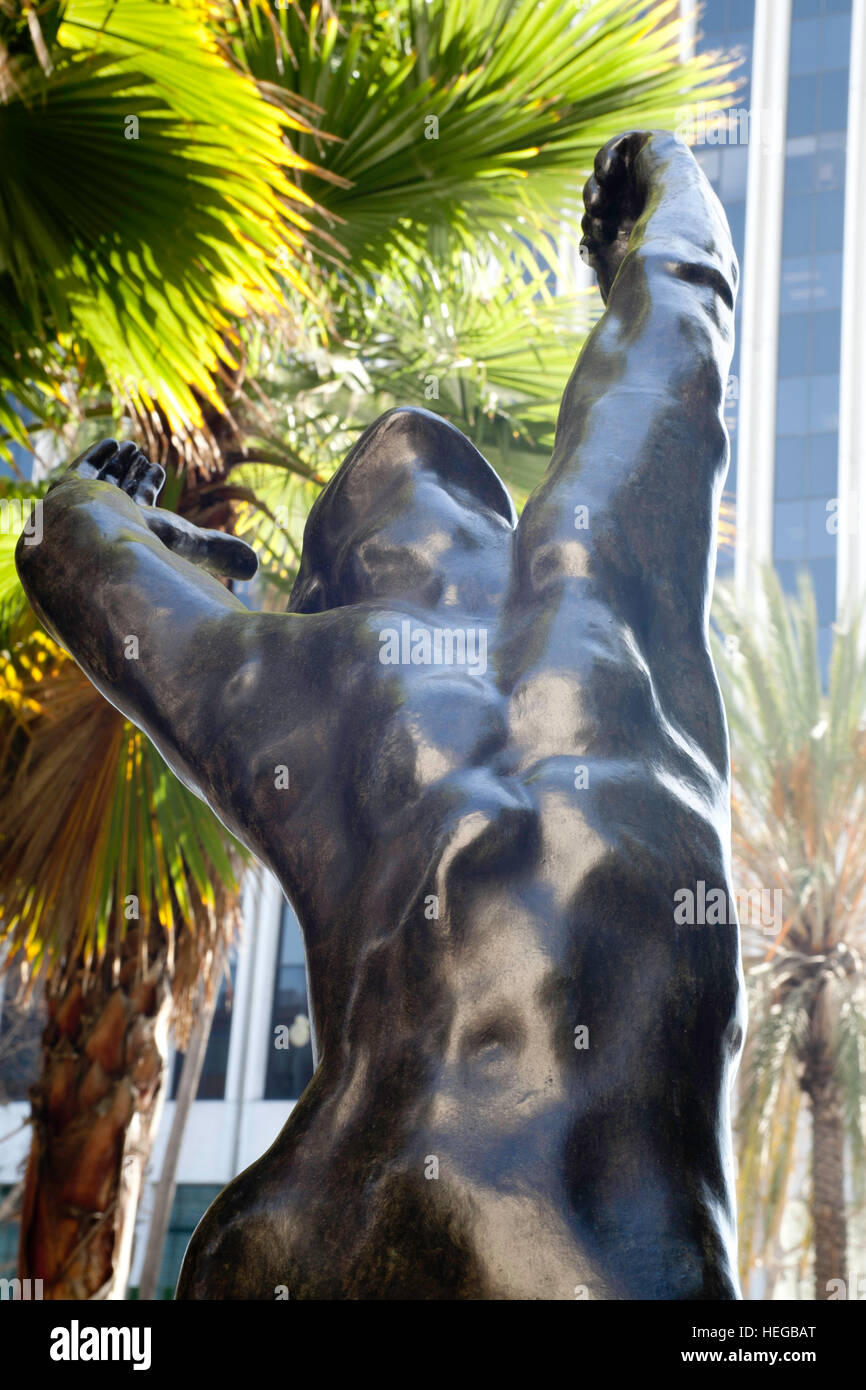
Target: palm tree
(799, 797)
(520, 111)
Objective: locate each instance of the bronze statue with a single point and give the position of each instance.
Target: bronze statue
(482, 758)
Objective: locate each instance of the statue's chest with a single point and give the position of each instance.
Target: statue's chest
(429, 725)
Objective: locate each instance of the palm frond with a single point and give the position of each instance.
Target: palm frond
(769, 1100)
(145, 203)
(851, 1072)
(452, 116)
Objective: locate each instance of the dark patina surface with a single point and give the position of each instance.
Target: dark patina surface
(523, 1060)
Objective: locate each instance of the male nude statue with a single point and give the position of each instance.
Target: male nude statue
(524, 1060)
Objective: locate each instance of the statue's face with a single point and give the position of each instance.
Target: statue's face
(421, 542)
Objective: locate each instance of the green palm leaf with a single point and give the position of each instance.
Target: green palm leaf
(454, 116)
(143, 249)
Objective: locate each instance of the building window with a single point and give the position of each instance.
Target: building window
(810, 300)
(290, 1055)
(727, 25)
(212, 1082)
(191, 1201)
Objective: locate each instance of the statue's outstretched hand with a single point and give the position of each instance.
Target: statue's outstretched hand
(126, 467)
(614, 197)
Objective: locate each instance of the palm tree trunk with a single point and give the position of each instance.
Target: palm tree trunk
(829, 1216)
(94, 1110)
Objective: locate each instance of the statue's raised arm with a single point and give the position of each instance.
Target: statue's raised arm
(626, 515)
(129, 590)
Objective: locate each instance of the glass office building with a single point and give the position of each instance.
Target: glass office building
(729, 26)
(790, 176)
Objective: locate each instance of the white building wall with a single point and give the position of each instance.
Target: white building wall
(223, 1137)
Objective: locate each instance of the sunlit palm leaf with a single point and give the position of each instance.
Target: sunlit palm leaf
(481, 344)
(456, 115)
(139, 251)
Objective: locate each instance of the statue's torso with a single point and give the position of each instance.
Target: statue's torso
(502, 1054)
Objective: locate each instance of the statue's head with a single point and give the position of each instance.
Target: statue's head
(414, 513)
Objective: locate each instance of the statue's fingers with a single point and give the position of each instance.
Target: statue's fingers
(101, 451)
(151, 485)
(144, 480)
(88, 463)
(595, 230)
(99, 454)
(116, 467)
(228, 556)
(609, 163)
(613, 159)
(588, 248)
(586, 252)
(212, 550)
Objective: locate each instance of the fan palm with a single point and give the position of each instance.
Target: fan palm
(799, 797)
(520, 112)
(480, 119)
(144, 203)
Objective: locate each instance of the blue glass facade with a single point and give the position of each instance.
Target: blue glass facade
(810, 301)
(212, 1082)
(22, 459)
(805, 466)
(727, 25)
